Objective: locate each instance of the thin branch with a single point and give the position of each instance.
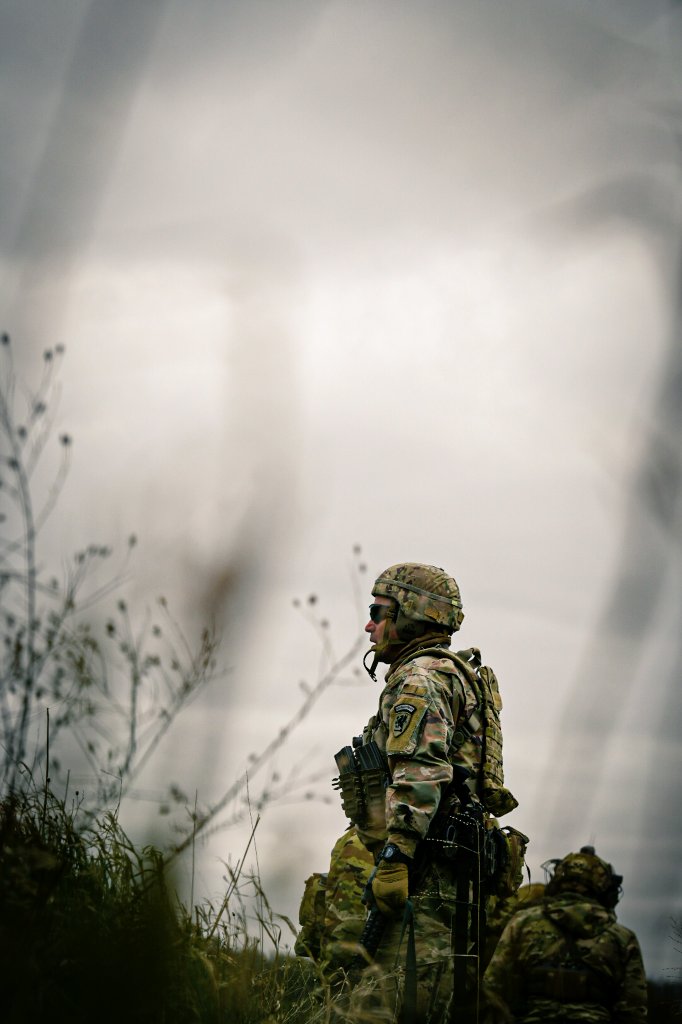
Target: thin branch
(311, 698)
(235, 879)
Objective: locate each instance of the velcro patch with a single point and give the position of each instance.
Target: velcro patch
(404, 721)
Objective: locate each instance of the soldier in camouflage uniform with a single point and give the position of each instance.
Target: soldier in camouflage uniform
(568, 959)
(332, 914)
(430, 729)
(501, 910)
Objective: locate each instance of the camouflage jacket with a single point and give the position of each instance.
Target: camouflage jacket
(332, 914)
(350, 867)
(423, 701)
(569, 960)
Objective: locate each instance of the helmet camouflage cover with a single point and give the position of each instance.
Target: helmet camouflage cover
(586, 873)
(424, 593)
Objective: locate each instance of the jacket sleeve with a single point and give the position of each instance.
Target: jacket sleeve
(631, 1007)
(419, 733)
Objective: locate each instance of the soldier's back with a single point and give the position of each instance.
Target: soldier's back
(568, 960)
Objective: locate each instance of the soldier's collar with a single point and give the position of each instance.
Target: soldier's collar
(411, 650)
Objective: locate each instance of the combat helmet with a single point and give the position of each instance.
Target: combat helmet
(424, 594)
(427, 600)
(586, 873)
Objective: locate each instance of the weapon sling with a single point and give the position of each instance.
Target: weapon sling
(408, 1011)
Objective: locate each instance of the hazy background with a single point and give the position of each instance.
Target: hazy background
(390, 274)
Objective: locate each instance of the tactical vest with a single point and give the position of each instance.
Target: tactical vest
(363, 771)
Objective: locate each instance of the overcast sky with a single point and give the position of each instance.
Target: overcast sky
(382, 273)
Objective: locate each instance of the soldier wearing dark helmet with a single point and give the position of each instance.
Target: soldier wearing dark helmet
(421, 785)
(568, 959)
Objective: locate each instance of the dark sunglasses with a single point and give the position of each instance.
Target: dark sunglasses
(379, 612)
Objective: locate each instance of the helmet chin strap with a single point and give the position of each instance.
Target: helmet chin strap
(371, 669)
(378, 652)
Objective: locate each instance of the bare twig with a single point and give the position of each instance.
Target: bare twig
(258, 762)
(234, 880)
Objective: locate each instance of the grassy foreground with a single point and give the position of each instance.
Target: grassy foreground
(89, 931)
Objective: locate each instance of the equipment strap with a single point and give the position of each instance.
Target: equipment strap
(408, 1013)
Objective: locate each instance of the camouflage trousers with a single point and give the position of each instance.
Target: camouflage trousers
(380, 993)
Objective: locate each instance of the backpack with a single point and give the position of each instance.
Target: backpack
(484, 719)
(486, 716)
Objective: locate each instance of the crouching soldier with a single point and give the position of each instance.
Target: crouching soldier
(568, 959)
(332, 914)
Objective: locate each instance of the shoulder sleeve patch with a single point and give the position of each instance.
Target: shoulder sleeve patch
(404, 723)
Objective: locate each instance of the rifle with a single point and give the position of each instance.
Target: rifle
(373, 932)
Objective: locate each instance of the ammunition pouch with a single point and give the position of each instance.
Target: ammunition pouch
(362, 780)
(501, 849)
(569, 985)
(510, 853)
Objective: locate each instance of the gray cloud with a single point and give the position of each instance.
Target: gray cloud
(407, 241)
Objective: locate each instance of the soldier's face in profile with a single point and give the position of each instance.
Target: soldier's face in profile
(377, 625)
